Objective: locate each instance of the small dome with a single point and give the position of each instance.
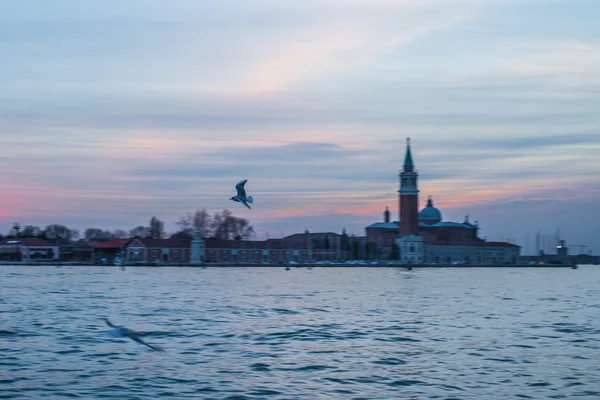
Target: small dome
(430, 214)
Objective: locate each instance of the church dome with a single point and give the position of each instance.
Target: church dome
(430, 214)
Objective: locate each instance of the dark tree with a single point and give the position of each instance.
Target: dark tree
(97, 235)
(58, 232)
(201, 222)
(30, 231)
(140, 231)
(241, 228)
(157, 228)
(198, 221)
(120, 234)
(225, 226)
(217, 225)
(182, 235)
(186, 223)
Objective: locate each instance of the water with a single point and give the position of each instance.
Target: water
(325, 333)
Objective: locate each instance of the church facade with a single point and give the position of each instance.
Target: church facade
(423, 237)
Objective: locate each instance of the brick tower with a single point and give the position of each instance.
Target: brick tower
(408, 197)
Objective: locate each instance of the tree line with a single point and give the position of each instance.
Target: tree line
(221, 225)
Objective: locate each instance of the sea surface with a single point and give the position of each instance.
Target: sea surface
(322, 333)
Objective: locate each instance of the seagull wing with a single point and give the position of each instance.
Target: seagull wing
(241, 192)
(109, 323)
(244, 202)
(139, 340)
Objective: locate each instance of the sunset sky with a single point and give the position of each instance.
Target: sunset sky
(112, 111)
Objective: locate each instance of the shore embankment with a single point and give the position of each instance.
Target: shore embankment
(298, 265)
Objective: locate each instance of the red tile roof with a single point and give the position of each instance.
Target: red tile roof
(111, 244)
(233, 244)
(182, 243)
(271, 244)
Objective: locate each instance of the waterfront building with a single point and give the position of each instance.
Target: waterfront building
(424, 236)
(321, 246)
(75, 251)
(158, 251)
(411, 249)
(106, 252)
(242, 251)
(29, 250)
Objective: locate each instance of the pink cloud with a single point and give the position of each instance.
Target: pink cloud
(11, 204)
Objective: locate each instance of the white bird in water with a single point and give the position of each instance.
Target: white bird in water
(241, 194)
(121, 331)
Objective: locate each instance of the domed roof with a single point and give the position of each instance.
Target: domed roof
(430, 214)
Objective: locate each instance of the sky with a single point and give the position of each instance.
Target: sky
(114, 111)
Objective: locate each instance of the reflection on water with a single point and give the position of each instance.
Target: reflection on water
(267, 333)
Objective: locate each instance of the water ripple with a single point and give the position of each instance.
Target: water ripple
(328, 333)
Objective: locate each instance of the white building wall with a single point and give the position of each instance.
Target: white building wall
(471, 254)
(27, 252)
(197, 255)
(412, 249)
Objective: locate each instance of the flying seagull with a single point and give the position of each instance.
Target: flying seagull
(241, 194)
(121, 331)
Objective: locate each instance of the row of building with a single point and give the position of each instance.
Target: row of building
(299, 247)
(304, 247)
(416, 237)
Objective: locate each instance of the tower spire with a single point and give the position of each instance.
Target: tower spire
(408, 161)
(409, 196)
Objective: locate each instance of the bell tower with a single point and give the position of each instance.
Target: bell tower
(408, 196)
